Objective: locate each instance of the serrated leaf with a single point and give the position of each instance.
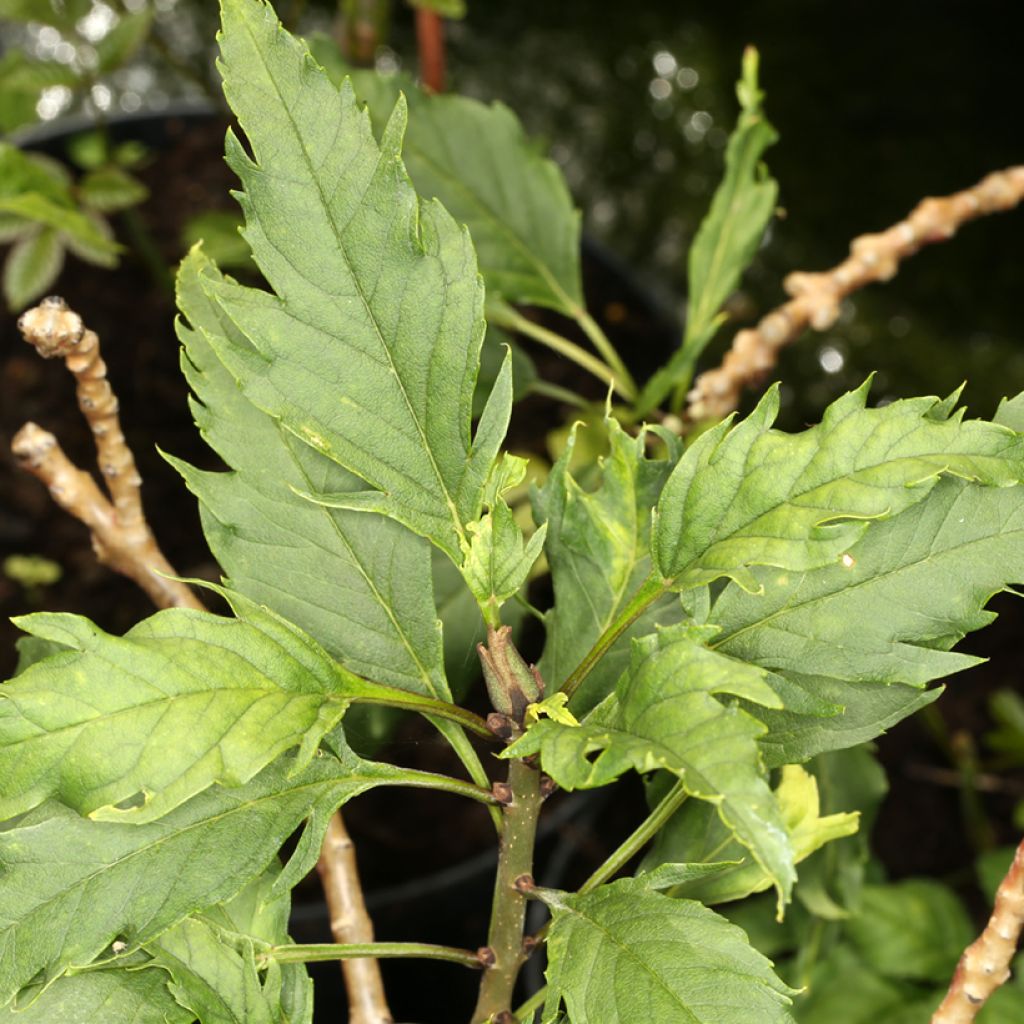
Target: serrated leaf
(498, 560)
(623, 949)
(123, 40)
(752, 496)
(696, 835)
(218, 982)
(664, 714)
(32, 265)
(598, 546)
(728, 235)
(93, 997)
(369, 349)
(479, 162)
(185, 699)
(109, 189)
(71, 886)
(915, 929)
(358, 582)
(218, 231)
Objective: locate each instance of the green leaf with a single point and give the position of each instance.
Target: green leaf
(72, 886)
(73, 223)
(60, 13)
(664, 714)
(492, 362)
(218, 230)
(916, 585)
(598, 546)
(728, 236)
(479, 162)
(752, 496)
(218, 982)
(114, 994)
(109, 189)
(185, 699)
(915, 930)
(33, 264)
(369, 349)
(696, 835)
(622, 950)
(497, 561)
(359, 583)
(84, 249)
(123, 40)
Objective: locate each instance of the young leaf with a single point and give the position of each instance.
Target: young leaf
(183, 700)
(478, 161)
(598, 546)
(696, 835)
(33, 264)
(751, 496)
(72, 886)
(497, 562)
(728, 236)
(358, 582)
(623, 949)
(369, 347)
(140, 996)
(123, 40)
(664, 714)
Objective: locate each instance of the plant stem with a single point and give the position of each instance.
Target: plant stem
(506, 316)
(637, 839)
(379, 950)
(652, 588)
(600, 341)
(531, 1004)
(408, 701)
(443, 784)
(508, 912)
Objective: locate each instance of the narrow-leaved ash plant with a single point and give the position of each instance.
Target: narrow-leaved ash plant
(728, 604)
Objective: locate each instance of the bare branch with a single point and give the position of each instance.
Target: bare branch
(817, 297)
(985, 964)
(121, 536)
(350, 923)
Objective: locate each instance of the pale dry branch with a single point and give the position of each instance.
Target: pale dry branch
(122, 540)
(985, 964)
(816, 297)
(350, 922)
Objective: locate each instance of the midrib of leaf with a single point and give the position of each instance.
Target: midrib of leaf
(378, 596)
(907, 567)
(502, 228)
(171, 836)
(357, 284)
(720, 249)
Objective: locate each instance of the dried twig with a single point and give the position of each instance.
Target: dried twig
(350, 922)
(121, 536)
(817, 297)
(122, 540)
(985, 964)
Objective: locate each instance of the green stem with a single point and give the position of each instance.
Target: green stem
(557, 393)
(442, 783)
(531, 1004)
(299, 954)
(600, 341)
(508, 911)
(506, 316)
(407, 701)
(146, 249)
(471, 762)
(637, 839)
(651, 589)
